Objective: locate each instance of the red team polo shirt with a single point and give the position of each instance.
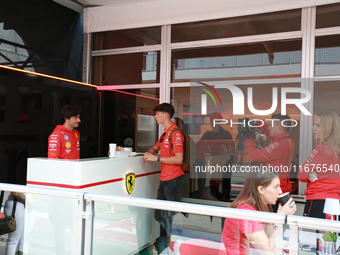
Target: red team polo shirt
(278, 153)
(234, 240)
(171, 171)
(63, 143)
(327, 167)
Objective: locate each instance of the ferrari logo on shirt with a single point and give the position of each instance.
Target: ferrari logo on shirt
(68, 145)
(130, 182)
(76, 135)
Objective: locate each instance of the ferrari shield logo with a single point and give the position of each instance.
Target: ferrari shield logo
(129, 182)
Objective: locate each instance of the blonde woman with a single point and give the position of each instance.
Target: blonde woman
(321, 168)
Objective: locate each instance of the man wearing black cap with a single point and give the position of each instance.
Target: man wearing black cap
(279, 153)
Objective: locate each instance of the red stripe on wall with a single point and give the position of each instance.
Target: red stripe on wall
(67, 186)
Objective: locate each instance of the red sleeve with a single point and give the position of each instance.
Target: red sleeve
(304, 171)
(264, 129)
(302, 175)
(177, 141)
(271, 152)
(54, 144)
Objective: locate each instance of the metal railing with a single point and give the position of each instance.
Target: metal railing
(85, 215)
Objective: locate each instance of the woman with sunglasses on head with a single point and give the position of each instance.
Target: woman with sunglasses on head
(321, 168)
(260, 192)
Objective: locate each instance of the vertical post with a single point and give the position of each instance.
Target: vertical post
(164, 93)
(87, 57)
(293, 238)
(80, 228)
(164, 89)
(88, 235)
(278, 236)
(308, 21)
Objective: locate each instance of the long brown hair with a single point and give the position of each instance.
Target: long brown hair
(330, 136)
(250, 194)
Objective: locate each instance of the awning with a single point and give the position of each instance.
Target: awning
(164, 12)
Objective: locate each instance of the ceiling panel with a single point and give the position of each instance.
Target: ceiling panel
(109, 2)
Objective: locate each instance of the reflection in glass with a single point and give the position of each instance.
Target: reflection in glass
(133, 230)
(2, 102)
(134, 68)
(241, 26)
(326, 97)
(188, 105)
(312, 240)
(327, 55)
(127, 38)
(50, 225)
(124, 230)
(129, 119)
(254, 60)
(328, 15)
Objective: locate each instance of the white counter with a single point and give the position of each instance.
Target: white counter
(116, 227)
(101, 175)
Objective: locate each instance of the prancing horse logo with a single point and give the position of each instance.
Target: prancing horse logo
(130, 182)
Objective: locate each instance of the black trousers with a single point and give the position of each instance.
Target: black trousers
(172, 191)
(314, 208)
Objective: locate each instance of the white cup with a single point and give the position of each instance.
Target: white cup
(112, 150)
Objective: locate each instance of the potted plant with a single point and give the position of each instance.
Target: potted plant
(330, 242)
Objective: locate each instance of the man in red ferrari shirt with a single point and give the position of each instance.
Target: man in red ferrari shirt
(278, 154)
(172, 176)
(63, 143)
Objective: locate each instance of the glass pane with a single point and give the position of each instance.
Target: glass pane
(123, 229)
(328, 15)
(326, 96)
(222, 147)
(241, 26)
(266, 60)
(134, 68)
(327, 55)
(127, 38)
(311, 241)
(129, 119)
(134, 230)
(50, 225)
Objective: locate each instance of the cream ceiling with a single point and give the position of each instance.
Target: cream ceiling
(78, 5)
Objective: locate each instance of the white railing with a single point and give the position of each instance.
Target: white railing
(85, 215)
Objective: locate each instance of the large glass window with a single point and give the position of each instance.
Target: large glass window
(327, 55)
(128, 119)
(265, 59)
(122, 69)
(326, 96)
(126, 38)
(241, 26)
(328, 15)
(221, 144)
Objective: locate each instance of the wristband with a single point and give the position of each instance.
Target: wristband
(161, 159)
(158, 158)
